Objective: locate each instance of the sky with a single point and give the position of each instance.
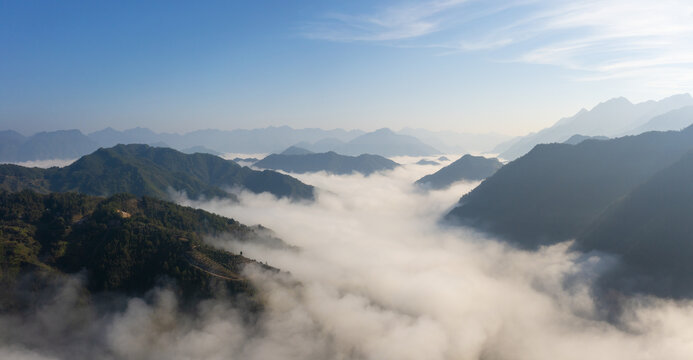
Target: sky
(468, 66)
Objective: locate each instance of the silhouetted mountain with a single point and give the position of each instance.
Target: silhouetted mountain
(427, 162)
(467, 167)
(673, 120)
(576, 139)
(611, 118)
(386, 143)
(556, 190)
(144, 170)
(651, 231)
(443, 158)
(330, 162)
(62, 144)
(294, 150)
(200, 149)
(124, 243)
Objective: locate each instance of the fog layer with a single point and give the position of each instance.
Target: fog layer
(376, 277)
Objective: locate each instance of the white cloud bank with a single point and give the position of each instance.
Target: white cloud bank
(44, 163)
(376, 278)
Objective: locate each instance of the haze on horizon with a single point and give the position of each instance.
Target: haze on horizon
(468, 66)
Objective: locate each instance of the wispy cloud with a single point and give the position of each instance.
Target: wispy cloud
(599, 39)
(391, 23)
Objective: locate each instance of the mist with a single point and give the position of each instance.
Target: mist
(375, 276)
(43, 163)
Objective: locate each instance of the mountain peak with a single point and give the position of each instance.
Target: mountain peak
(384, 131)
(618, 101)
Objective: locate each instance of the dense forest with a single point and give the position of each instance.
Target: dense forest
(126, 244)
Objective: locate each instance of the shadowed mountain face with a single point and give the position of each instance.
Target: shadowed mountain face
(467, 167)
(651, 230)
(554, 192)
(145, 170)
(126, 244)
(63, 144)
(330, 162)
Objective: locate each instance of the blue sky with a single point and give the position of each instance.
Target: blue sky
(473, 66)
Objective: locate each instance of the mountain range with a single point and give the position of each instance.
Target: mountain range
(71, 144)
(145, 170)
(384, 142)
(451, 142)
(615, 117)
(264, 140)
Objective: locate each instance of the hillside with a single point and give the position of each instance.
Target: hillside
(330, 162)
(555, 191)
(126, 244)
(651, 230)
(467, 167)
(145, 170)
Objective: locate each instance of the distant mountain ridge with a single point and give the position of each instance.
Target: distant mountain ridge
(615, 117)
(145, 170)
(263, 140)
(71, 144)
(384, 142)
(452, 142)
(329, 162)
(468, 167)
(62, 144)
(672, 120)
